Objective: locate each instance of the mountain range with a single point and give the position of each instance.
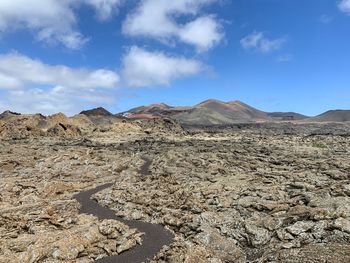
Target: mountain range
(215, 112)
(206, 113)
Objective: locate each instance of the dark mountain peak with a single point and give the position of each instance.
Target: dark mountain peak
(8, 114)
(333, 116)
(336, 111)
(156, 108)
(97, 112)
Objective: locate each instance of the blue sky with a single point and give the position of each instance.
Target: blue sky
(276, 55)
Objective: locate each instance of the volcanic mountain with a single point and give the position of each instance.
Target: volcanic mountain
(209, 112)
(101, 116)
(157, 110)
(215, 112)
(332, 116)
(97, 112)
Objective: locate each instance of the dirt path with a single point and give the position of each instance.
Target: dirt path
(154, 238)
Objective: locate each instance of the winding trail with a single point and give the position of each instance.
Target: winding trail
(154, 238)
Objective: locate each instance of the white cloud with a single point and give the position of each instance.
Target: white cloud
(158, 19)
(258, 42)
(344, 6)
(32, 86)
(142, 68)
(55, 99)
(18, 71)
(51, 20)
(28, 85)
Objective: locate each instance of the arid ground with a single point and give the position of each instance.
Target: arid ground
(256, 193)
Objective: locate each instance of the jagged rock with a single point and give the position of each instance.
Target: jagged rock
(197, 255)
(220, 247)
(126, 245)
(65, 251)
(300, 227)
(271, 223)
(342, 224)
(112, 228)
(257, 236)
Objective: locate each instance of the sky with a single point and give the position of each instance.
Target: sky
(275, 55)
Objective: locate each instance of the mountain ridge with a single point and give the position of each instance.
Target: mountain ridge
(211, 112)
(206, 113)
(332, 116)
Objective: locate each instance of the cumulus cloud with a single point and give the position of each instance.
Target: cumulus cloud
(157, 19)
(51, 20)
(344, 6)
(29, 85)
(18, 71)
(259, 42)
(54, 99)
(142, 68)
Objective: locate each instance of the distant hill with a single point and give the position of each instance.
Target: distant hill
(23, 119)
(287, 116)
(100, 116)
(8, 114)
(152, 111)
(153, 108)
(332, 116)
(97, 112)
(214, 112)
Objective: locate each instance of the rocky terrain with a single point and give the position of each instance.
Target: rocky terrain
(241, 193)
(244, 197)
(39, 219)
